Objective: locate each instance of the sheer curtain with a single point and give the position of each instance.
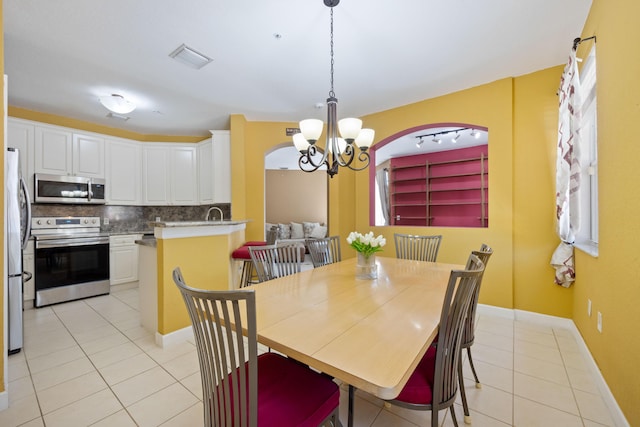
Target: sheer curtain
(382, 177)
(567, 172)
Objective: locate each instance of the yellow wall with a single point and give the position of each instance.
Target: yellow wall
(198, 259)
(612, 281)
(534, 145)
(489, 105)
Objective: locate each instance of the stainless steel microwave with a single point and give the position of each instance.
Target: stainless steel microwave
(69, 189)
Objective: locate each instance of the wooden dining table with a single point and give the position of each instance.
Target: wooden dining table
(369, 334)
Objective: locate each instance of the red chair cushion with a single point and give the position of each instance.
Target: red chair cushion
(243, 251)
(290, 394)
(419, 388)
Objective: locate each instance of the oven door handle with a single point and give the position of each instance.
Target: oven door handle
(64, 243)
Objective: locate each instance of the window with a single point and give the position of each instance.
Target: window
(587, 235)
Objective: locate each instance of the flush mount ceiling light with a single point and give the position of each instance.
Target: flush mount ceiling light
(338, 152)
(190, 57)
(117, 104)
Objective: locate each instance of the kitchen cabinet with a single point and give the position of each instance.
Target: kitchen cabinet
(28, 265)
(123, 258)
(170, 174)
(205, 172)
(20, 135)
(123, 173)
(61, 152)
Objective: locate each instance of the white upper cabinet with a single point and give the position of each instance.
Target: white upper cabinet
(170, 174)
(221, 166)
(88, 156)
(20, 135)
(155, 175)
(124, 172)
(184, 175)
(205, 171)
(61, 152)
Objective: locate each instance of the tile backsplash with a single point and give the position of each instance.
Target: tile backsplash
(133, 219)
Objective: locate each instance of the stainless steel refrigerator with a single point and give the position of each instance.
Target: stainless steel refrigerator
(18, 229)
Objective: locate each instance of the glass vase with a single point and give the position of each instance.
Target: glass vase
(366, 268)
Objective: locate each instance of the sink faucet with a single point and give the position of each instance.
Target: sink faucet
(206, 218)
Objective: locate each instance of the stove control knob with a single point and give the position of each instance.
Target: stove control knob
(49, 222)
(93, 221)
(86, 221)
(39, 222)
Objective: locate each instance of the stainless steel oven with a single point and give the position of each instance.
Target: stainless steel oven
(71, 259)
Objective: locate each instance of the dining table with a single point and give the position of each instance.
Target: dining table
(369, 334)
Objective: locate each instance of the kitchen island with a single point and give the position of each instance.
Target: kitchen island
(202, 250)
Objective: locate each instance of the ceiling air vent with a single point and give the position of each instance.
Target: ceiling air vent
(190, 57)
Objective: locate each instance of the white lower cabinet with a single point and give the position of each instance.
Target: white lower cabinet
(29, 265)
(123, 258)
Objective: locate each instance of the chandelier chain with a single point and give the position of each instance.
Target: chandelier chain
(331, 92)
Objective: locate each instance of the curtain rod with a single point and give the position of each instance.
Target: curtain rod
(578, 40)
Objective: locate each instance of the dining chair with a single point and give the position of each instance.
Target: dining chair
(241, 388)
(273, 261)
(416, 247)
(324, 251)
(434, 383)
(468, 335)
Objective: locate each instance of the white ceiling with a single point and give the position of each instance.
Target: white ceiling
(62, 55)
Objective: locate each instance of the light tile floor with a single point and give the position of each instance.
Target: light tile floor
(90, 363)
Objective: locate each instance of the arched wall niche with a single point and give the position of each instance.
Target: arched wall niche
(434, 174)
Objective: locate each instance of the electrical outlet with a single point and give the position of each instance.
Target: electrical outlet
(599, 322)
(589, 307)
(157, 219)
(105, 221)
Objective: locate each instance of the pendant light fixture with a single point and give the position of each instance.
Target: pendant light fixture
(339, 151)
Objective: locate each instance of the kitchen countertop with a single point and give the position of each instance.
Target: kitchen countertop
(197, 223)
(147, 241)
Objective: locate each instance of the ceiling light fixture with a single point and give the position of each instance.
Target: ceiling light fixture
(338, 152)
(419, 143)
(190, 57)
(445, 132)
(117, 104)
(113, 115)
(475, 133)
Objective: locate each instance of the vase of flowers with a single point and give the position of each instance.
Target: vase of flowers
(366, 245)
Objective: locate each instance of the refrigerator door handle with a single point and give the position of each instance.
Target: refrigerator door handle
(27, 229)
(26, 276)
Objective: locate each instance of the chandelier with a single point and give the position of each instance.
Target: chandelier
(340, 150)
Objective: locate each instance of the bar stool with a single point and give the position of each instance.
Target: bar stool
(248, 272)
(249, 276)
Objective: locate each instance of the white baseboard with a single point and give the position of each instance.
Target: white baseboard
(561, 322)
(4, 400)
(175, 337)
